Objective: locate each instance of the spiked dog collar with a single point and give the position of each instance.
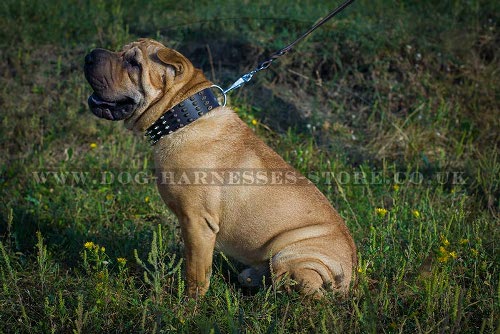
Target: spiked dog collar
(182, 114)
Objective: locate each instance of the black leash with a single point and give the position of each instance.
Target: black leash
(265, 64)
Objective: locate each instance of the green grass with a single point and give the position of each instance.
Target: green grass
(385, 91)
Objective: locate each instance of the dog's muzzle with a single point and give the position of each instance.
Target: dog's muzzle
(95, 69)
(113, 111)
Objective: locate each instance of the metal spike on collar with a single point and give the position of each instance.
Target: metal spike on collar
(183, 114)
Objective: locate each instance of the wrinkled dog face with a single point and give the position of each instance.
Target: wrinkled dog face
(125, 83)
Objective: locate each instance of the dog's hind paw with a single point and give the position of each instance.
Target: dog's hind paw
(252, 277)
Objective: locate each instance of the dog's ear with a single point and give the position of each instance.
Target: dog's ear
(174, 59)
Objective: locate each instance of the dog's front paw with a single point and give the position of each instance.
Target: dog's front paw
(196, 291)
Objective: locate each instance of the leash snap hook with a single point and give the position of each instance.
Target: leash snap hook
(240, 82)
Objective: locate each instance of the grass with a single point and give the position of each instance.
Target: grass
(391, 109)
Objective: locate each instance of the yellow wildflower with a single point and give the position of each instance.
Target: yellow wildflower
(93, 145)
(381, 212)
(444, 241)
(415, 213)
(360, 270)
(89, 245)
(395, 187)
(464, 241)
(474, 251)
(121, 260)
(146, 199)
(103, 249)
(443, 255)
(109, 197)
(443, 259)
(254, 121)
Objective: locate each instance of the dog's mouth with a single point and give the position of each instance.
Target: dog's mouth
(112, 110)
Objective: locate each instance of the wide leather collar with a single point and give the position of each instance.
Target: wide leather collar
(182, 114)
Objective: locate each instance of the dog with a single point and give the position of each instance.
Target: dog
(228, 189)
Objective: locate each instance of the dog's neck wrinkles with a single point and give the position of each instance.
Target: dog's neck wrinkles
(173, 95)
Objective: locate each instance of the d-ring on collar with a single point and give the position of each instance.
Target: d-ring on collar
(183, 114)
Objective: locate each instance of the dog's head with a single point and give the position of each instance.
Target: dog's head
(145, 77)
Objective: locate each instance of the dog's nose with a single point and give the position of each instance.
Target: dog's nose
(96, 55)
(89, 59)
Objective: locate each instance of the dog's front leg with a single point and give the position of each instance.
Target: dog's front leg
(199, 239)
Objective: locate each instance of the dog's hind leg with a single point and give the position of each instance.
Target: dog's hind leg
(311, 271)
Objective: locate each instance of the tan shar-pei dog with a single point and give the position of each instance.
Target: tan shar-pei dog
(228, 189)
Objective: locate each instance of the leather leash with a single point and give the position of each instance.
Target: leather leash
(265, 64)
